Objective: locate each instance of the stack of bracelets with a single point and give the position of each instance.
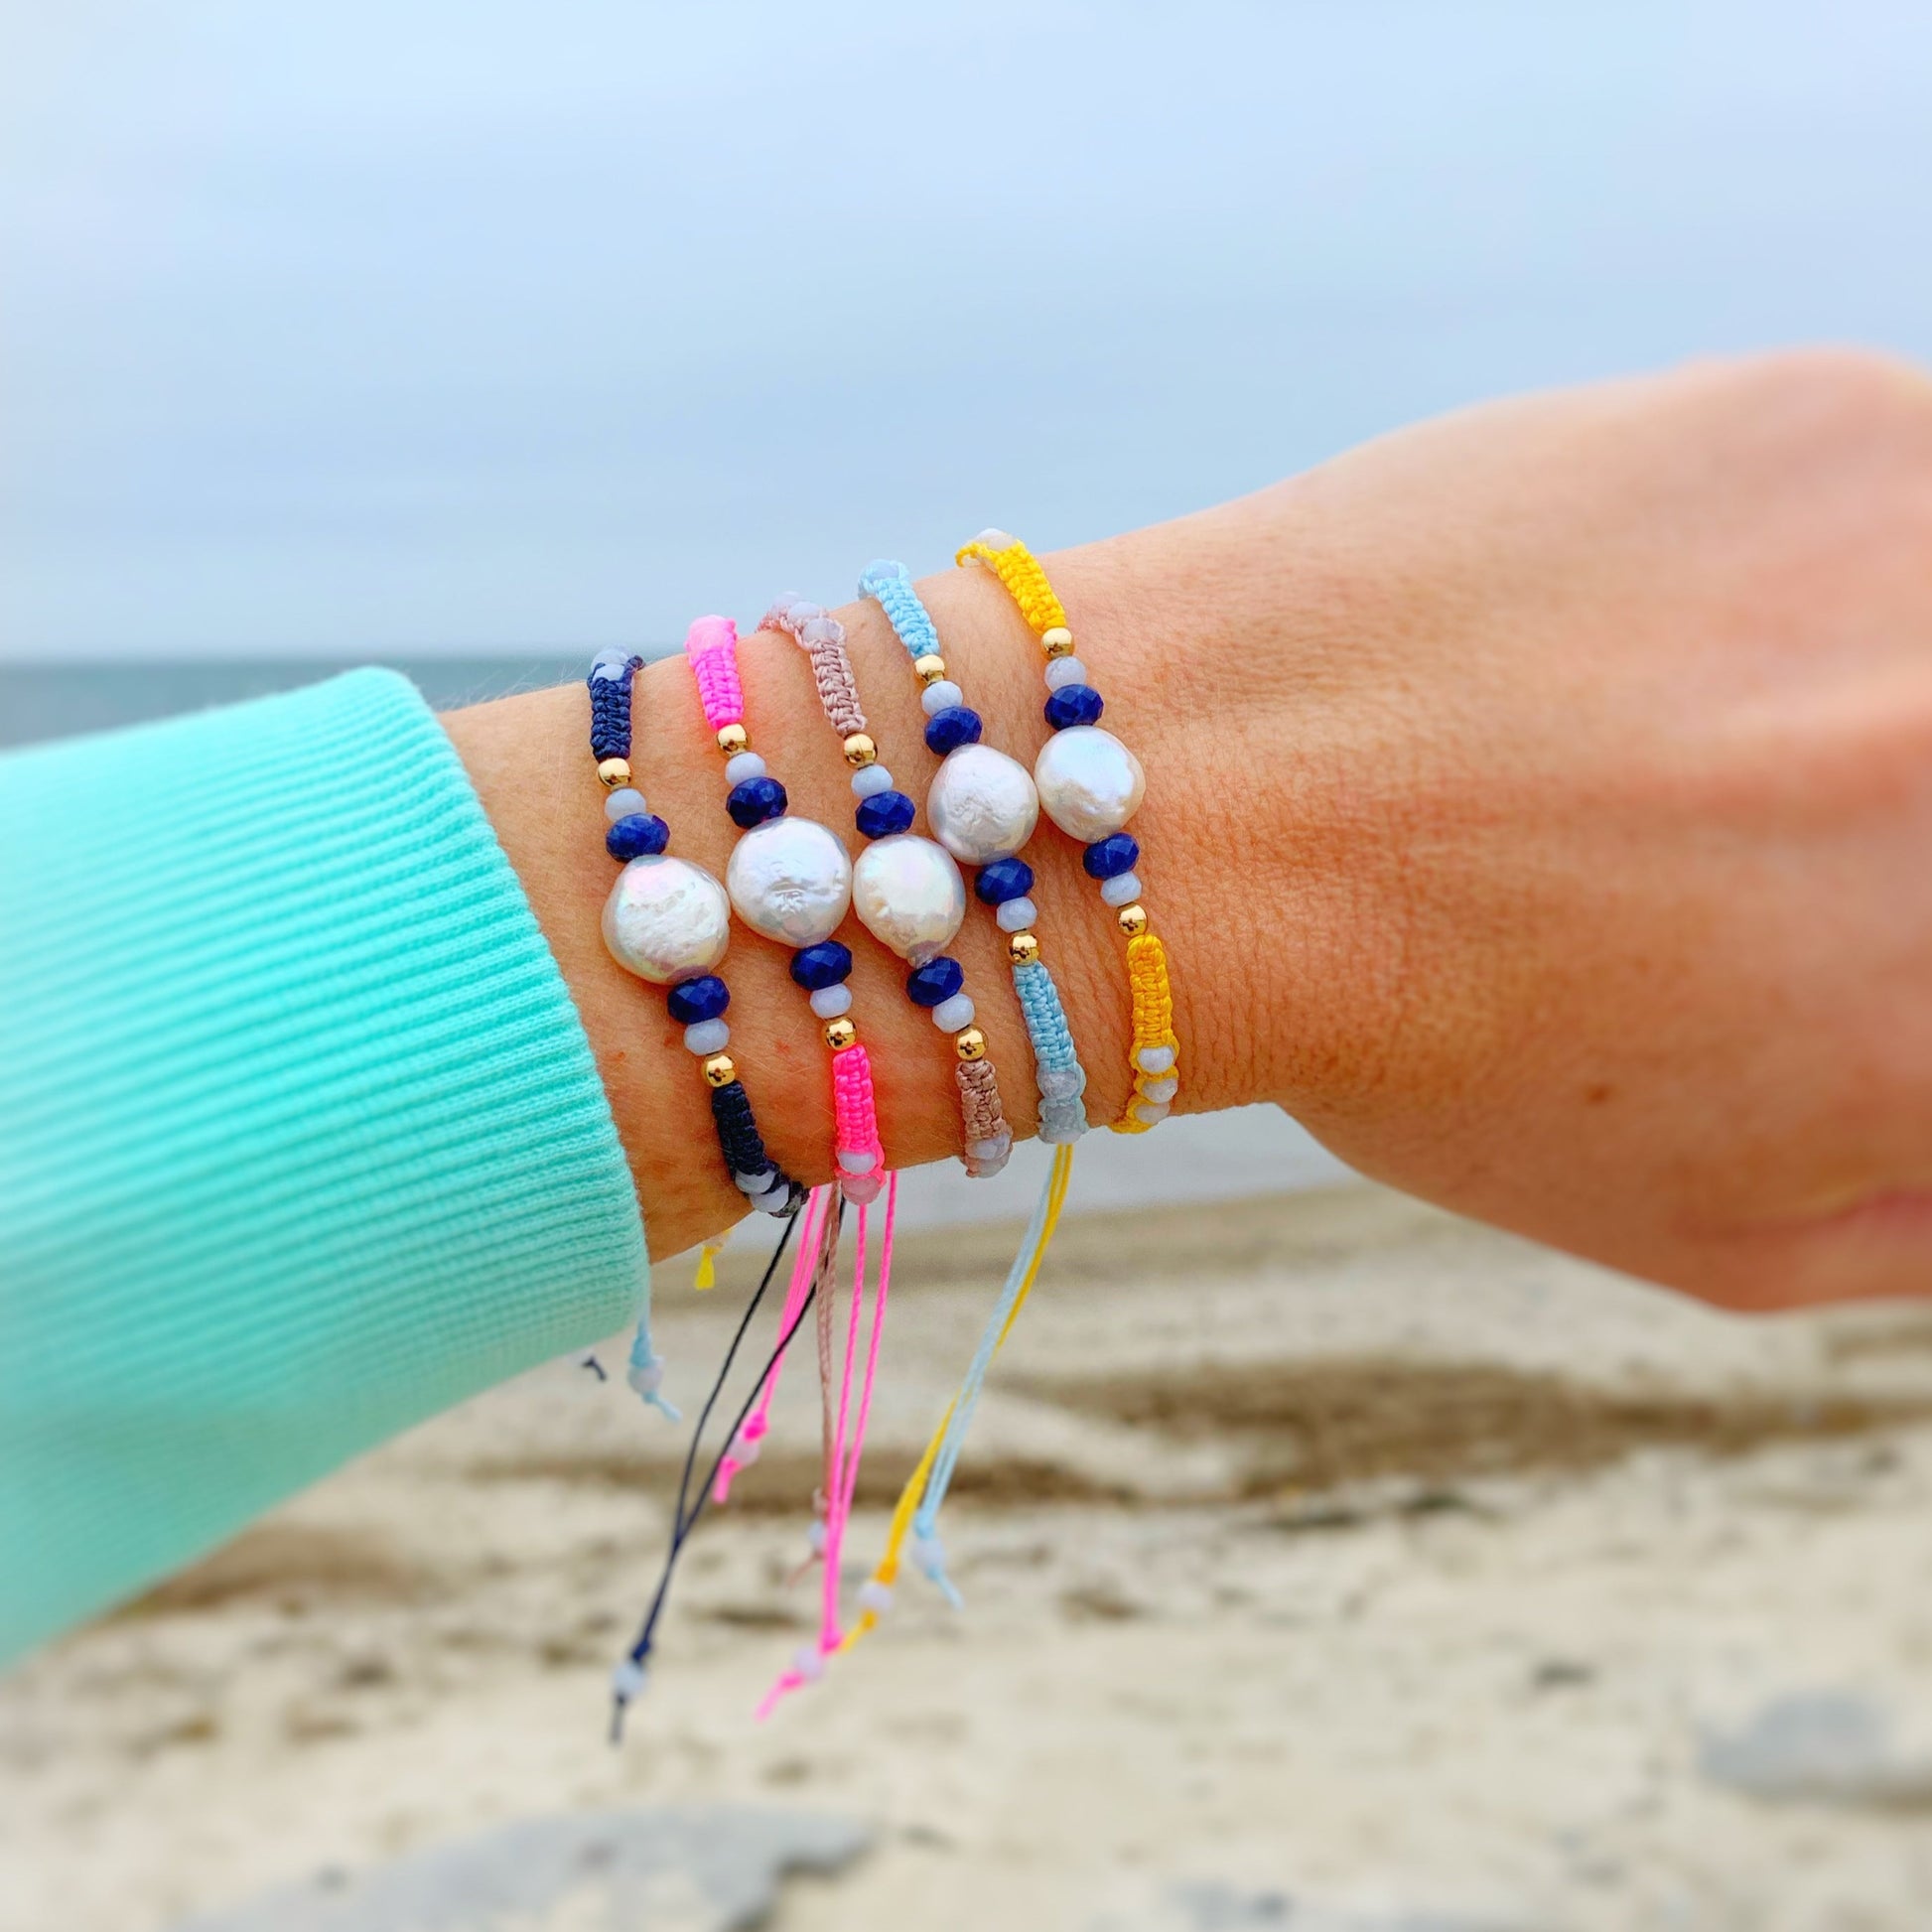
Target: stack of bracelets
(791, 881)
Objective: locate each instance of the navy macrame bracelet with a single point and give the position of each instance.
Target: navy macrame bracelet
(668, 921)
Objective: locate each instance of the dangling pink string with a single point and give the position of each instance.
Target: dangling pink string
(842, 1478)
(711, 646)
(841, 1509)
(802, 1265)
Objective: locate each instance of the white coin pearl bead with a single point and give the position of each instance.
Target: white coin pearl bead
(875, 1597)
(982, 805)
(1090, 783)
(828, 1001)
(871, 778)
(1154, 1059)
(791, 880)
(1016, 915)
(746, 764)
(852, 1162)
(623, 802)
(1161, 1091)
(952, 1016)
(941, 696)
(1120, 890)
(909, 894)
(667, 920)
(1066, 670)
(1150, 1113)
(704, 1037)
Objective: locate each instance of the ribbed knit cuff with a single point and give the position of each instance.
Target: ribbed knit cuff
(300, 1139)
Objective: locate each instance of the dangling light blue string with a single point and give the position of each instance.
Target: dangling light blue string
(927, 1550)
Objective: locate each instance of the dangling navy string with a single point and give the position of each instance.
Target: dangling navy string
(628, 1679)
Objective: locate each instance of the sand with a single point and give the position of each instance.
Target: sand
(1324, 1556)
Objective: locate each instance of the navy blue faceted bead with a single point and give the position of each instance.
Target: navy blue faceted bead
(1074, 704)
(883, 813)
(1003, 880)
(947, 730)
(754, 800)
(1108, 858)
(938, 979)
(699, 999)
(825, 964)
(637, 835)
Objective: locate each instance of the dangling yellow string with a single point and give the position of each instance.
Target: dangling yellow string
(886, 1572)
(707, 1274)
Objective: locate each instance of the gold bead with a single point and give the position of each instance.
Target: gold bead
(932, 668)
(613, 773)
(1133, 920)
(1058, 642)
(733, 738)
(721, 1069)
(1023, 949)
(860, 749)
(970, 1044)
(840, 1034)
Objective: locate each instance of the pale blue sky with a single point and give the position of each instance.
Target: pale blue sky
(399, 327)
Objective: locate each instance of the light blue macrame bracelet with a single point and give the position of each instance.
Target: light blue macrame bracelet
(1004, 878)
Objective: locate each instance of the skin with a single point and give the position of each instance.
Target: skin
(1539, 807)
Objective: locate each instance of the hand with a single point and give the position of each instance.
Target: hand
(1539, 806)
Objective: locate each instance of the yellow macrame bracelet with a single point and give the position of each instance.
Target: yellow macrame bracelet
(1090, 785)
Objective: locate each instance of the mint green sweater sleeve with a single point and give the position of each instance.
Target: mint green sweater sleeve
(300, 1139)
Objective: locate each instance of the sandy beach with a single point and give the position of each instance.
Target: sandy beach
(1330, 1562)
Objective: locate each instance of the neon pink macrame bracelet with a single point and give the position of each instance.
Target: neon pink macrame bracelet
(791, 880)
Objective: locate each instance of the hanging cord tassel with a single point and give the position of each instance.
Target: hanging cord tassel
(917, 1510)
(808, 1663)
(628, 1679)
(810, 1273)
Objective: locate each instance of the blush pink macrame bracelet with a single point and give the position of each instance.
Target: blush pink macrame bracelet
(907, 890)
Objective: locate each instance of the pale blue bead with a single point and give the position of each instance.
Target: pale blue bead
(831, 1001)
(1063, 1082)
(1016, 915)
(753, 1183)
(870, 780)
(707, 1036)
(773, 1202)
(1120, 890)
(942, 696)
(1154, 1059)
(949, 1016)
(611, 671)
(746, 764)
(1066, 670)
(996, 1149)
(1150, 1113)
(1061, 1122)
(628, 1679)
(857, 1160)
(623, 802)
(1161, 1091)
